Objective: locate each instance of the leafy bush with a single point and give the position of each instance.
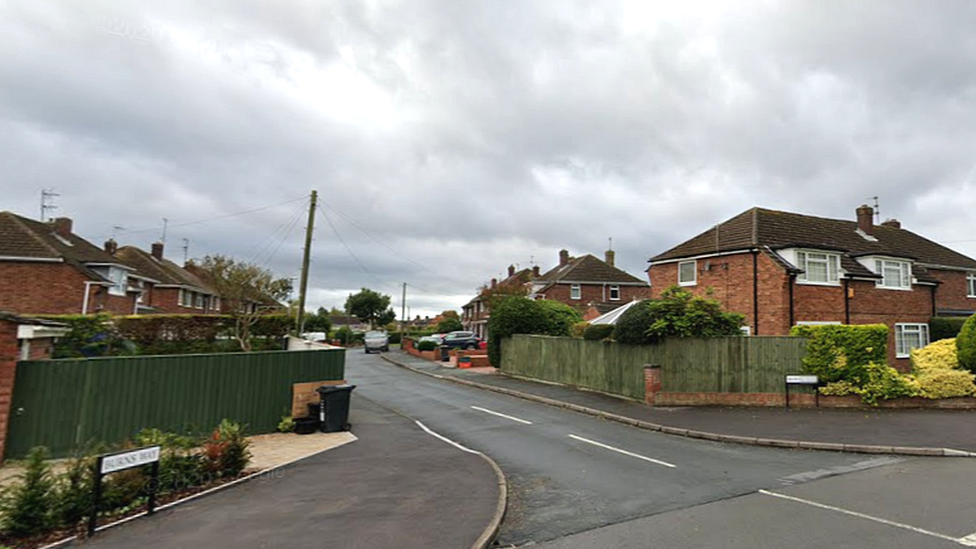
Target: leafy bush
(940, 355)
(560, 318)
(966, 345)
(226, 452)
(344, 335)
(598, 332)
(942, 327)
(883, 383)
(677, 313)
(286, 425)
(74, 490)
(88, 336)
(838, 388)
(29, 506)
(945, 383)
(513, 315)
(427, 345)
(448, 325)
(579, 329)
(843, 353)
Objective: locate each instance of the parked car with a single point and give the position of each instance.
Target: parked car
(461, 340)
(436, 338)
(378, 341)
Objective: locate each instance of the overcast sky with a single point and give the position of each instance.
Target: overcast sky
(449, 139)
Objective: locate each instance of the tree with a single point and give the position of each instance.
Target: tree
(493, 296)
(449, 325)
(513, 315)
(451, 314)
(318, 321)
(560, 318)
(247, 291)
(371, 307)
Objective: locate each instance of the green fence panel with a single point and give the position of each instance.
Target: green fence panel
(64, 404)
(722, 365)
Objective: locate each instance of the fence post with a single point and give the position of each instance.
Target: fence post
(652, 382)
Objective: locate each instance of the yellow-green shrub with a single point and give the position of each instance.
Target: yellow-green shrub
(940, 355)
(838, 388)
(945, 383)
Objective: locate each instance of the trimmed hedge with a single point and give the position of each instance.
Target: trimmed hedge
(942, 327)
(844, 353)
(632, 326)
(560, 318)
(598, 332)
(966, 345)
(521, 315)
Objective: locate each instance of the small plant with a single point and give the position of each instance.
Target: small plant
(427, 345)
(226, 452)
(74, 490)
(286, 425)
(579, 329)
(28, 507)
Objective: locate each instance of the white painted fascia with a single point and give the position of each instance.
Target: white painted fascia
(702, 256)
(37, 331)
(32, 259)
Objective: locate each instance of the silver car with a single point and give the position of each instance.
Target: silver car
(377, 341)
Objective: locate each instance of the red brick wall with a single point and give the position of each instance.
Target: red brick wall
(952, 293)
(595, 292)
(8, 367)
(54, 288)
(167, 300)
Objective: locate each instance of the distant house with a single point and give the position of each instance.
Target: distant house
(169, 288)
(474, 314)
(350, 322)
(47, 269)
(780, 269)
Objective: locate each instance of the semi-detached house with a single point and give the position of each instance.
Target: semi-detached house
(781, 269)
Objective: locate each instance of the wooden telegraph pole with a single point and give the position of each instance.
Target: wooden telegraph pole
(303, 285)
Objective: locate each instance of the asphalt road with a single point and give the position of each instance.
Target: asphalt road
(577, 481)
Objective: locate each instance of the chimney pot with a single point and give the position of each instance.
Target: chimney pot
(111, 246)
(609, 257)
(157, 250)
(494, 283)
(511, 271)
(535, 271)
(892, 223)
(62, 226)
(563, 257)
(865, 219)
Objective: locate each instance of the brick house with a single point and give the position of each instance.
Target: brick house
(47, 269)
(169, 288)
(589, 284)
(780, 269)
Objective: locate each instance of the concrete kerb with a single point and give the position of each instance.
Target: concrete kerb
(717, 437)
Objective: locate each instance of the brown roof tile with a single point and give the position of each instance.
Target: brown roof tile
(588, 269)
(163, 271)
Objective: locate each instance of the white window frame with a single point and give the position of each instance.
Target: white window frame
(902, 347)
(575, 291)
(614, 289)
(119, 278)
(905, 273)
(199, 300)
(694, 273)
(971, 285)
(830, 262)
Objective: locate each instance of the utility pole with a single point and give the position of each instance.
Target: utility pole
(403, 309)
(303, 285)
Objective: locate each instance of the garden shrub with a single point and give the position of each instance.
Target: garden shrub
(632, 326)
(427, 345)
(29, 506)
(945, 383)
(884, 383)
(560, 318)
(226, 452)
(842, 352)
(942, 327)
(513, 315)
(677, 313)
(74, 490)
(448, 325)
(344, 335)
(598, 332)
(940, 355)
(579, 329)
(966, 345)
(838, 388)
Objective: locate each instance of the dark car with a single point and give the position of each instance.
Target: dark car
(461, 340)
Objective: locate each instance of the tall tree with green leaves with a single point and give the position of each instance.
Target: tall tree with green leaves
(246, 290)
(370, 307)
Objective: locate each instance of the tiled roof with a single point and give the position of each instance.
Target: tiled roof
(163, 270)
(11, 317)
(27, 238)
(588, 268)
(759, 228)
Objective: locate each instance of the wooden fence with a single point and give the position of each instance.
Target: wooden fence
(721, 365)
(63, 404)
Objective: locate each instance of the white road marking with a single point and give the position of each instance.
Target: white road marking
(962, 541)
(447, 440)
(624, 452)
(499, 414)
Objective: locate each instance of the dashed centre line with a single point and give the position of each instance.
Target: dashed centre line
(621, 451)
(499, 414)
(967, 541)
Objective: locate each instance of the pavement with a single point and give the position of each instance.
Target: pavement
(397, 486)
(886, 431)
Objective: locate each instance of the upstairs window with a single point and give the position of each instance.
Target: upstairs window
(818, 268)
(897, 275)
(971, 284)
(614, 293)
(120, 280)
(575, 292)
(687, 273)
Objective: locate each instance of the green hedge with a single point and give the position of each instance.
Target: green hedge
(966, 345)
(597, 332)
(941, 327)
(842, 352)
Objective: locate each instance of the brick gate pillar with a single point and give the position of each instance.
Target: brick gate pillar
(652, 382)
(8, 368)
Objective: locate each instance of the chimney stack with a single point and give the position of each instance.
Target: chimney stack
(111, 246)
(62, 226)
(494, 283)
(535, 271)
(511, 271)
(609, 257)
(865, 219)
(892, 223)
(157, 250)
(563, 257)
